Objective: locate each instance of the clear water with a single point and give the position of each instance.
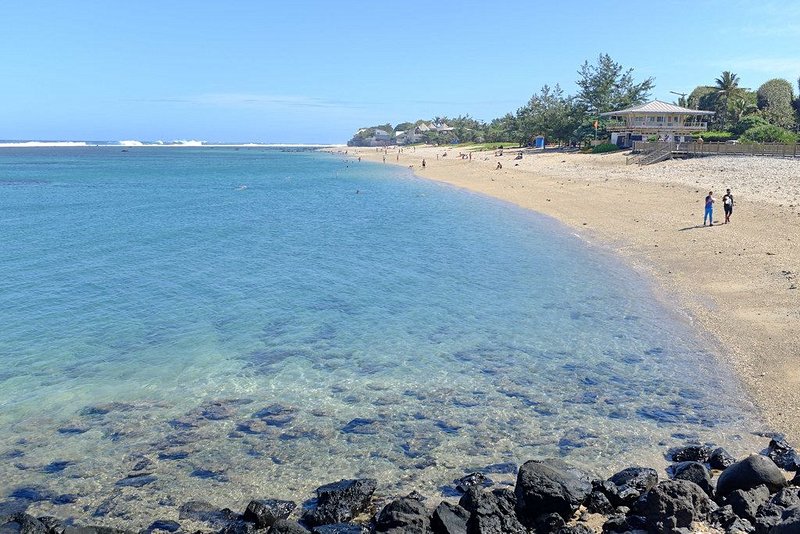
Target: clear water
(254, 323)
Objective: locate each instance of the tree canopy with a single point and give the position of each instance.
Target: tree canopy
(775, 101)
(606, 86)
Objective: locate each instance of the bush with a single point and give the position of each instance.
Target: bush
(605, 147)
(768, 134)
(714, 135)
(748, 122)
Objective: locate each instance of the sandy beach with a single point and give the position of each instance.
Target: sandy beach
(739, 282)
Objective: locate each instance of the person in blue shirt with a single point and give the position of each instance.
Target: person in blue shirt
(709, 213)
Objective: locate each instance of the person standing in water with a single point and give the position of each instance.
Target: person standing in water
(709, 212)
(727, 203)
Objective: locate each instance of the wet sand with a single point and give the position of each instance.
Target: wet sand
(740, 282)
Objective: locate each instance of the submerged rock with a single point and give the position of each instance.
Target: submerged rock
(207, 513)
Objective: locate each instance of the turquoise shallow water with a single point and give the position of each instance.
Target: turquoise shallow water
(254, 323)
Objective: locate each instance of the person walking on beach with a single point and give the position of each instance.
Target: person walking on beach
(709, 213)
(727, 203)
(423, 163)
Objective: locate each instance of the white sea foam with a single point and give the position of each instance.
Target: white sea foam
(130, 143)
(184, 142)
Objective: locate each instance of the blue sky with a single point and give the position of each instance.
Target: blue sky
(315, 71)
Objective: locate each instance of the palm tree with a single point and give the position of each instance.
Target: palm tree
(739, 108)
(728, 85)
(728, 89)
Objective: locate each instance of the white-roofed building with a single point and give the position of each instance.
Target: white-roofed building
(667, 121)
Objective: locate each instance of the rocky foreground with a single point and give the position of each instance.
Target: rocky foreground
(706, 490)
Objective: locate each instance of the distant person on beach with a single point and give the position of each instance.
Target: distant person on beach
(384, 159)
(727, 203)
(499, 166)
(709, 212)
(423, 163)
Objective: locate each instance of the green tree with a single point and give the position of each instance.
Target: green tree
(747, 123)
(775, 99)
(606, 86)
(728, 90)
(742, 106)
(502, 129)
(768, 134)
(549, 113)
(703, 97)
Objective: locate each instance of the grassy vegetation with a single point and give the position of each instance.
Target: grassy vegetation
(605, 147)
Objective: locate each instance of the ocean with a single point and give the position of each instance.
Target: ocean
(236, 323)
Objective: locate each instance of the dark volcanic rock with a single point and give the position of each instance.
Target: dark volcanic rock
(690, 453)
(165, 525)
(340, 528)
(694, 472)
(673, 504)
(284, 526)
(265, 512)
(745, 503)
(767, 517)
(449, 519)
(549, 523)
(749, 473)
(783, 454)
(625, 487)
(207, 513)
(404, 515)
(359, 425)
(622, 523)
(239, 526)
(341, 501)
(725, 519)
(95, 530)
(720, 459)
(578, 528)
(549, 486)
(22, 523)
(789, 524)
(787, 497)
(137, 480)
(472, 479)
(598, 503)
(54, 525)
(491, 512)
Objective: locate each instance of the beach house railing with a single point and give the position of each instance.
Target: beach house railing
(780, 150)
(654, 125)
